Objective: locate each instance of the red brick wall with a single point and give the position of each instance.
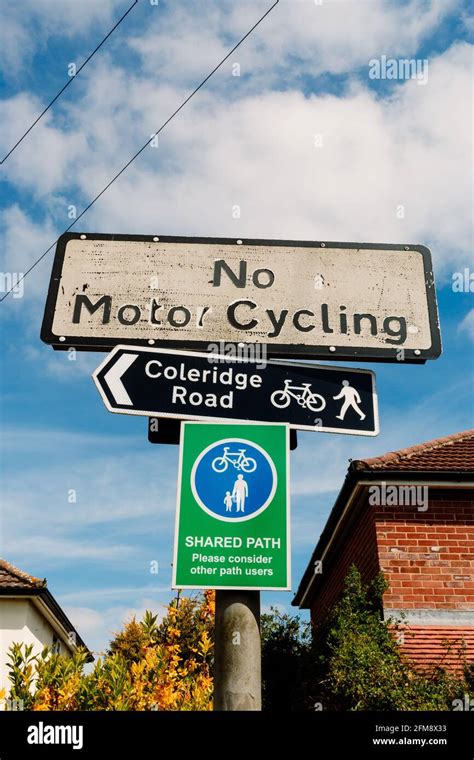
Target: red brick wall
(398, 540)
(421, 578)
(356, 544)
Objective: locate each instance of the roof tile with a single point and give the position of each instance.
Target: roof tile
(11, 577)
(432, 645)
(453, 453)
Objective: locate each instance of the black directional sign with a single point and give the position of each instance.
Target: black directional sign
(198, 386)
(187, 385)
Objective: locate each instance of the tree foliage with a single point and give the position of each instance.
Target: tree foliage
(148, 666)
(351, 662)
(288, 661)
(361, 666)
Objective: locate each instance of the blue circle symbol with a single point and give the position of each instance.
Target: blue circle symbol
(234, 480)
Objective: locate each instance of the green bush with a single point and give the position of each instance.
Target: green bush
(353, 661)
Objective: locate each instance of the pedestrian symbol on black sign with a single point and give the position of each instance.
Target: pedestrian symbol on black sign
(351, 399)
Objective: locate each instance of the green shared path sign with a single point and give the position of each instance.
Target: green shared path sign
(232, 518)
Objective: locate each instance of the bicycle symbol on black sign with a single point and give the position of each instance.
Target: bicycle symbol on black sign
(235, 458)
(301, 393)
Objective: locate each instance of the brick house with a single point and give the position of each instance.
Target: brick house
(30, 614)
(410, 514)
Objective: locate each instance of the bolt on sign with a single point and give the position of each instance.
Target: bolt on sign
(299, 298)
(232, 518)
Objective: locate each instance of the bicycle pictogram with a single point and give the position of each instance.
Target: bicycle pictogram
(300, 393)
(236, 458)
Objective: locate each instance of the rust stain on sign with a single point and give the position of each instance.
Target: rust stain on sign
(329, 300)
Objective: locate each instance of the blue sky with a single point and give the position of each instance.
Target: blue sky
(391, 165)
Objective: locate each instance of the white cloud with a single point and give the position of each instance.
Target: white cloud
(184, 39)
(101, 595)
(297, 37)
(22, 240)
(85, 619)
(102, 508)
(37, 547)
(467, 324)
(66, 366)
(106, 488)
(27, 26)
(259, 152)
(468, 21)
(44, 154)
(184, 46)
(29, 440)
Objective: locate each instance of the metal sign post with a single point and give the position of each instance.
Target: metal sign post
(238, 651)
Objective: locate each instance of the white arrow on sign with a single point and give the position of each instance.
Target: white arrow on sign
(113, 378)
